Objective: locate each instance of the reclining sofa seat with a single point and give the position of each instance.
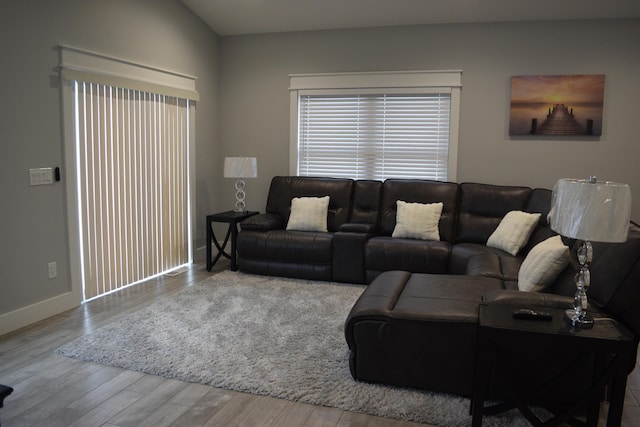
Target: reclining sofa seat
(384, 252)
(266, 247)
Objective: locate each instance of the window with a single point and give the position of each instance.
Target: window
(375, 125)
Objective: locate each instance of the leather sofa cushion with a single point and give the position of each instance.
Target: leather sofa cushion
(404, 295)
(383, 253)
(292, 246)
(478, 259)
(443, 297)
(298, 270)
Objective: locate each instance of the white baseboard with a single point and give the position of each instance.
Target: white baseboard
(25, 316)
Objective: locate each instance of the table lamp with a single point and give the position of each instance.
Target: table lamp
(589, 211)
(240, 167)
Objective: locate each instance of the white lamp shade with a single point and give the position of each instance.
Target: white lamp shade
(240, 167)
(593, 211)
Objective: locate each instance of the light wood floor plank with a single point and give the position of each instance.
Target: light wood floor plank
(351, 419)
(150, 403)
(163, 416)
(190, 395)
(227, 415)
(294, 414)
(106, 391)
(83, 380)
(108, 409)
(323, 416)
(259, 411)
(204, 409)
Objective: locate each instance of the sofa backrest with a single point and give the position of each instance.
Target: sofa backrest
(365, 207)
(482, 207)
(285, 188)
(539, 202)
(419, 191)
(615, 278)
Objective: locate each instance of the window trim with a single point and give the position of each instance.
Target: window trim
(369, 82)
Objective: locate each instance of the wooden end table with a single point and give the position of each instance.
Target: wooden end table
(610, 342)
(232, 218)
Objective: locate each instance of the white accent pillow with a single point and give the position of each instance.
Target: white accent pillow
(543, 264)
(308, 214)
(417, 220)
(514, 231)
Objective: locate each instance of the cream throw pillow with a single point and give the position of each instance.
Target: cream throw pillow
(417, 220)
(308, 214)
(514, 231)
(543, 264)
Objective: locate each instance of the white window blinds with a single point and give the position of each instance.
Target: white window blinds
(375, 125)
(374, 136)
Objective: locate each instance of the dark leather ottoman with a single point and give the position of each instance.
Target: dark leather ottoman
(417, 330)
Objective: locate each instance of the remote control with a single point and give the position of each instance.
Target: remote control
(528, 314)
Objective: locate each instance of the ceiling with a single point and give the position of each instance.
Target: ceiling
(236, 17)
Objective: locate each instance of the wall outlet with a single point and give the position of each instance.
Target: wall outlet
(53, 270)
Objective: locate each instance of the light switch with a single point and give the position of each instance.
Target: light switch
(40, 176)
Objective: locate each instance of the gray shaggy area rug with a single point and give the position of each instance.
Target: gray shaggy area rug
(263, 335)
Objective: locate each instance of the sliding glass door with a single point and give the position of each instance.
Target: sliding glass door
(132, 164)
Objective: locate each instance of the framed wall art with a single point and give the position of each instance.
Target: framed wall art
(556, 105)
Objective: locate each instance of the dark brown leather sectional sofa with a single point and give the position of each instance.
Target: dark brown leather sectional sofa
(416, 323)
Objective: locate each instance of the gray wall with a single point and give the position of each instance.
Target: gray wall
(254, 113)
(162, 33)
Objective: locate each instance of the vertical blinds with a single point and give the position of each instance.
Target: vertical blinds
(132, 162)
(374, 136)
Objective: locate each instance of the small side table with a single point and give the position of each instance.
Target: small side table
(610, 342)
(232, 218)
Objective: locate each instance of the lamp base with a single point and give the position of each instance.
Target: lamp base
(583, 321)
(240, 205)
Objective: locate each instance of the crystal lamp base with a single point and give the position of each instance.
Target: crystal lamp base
(583, 321)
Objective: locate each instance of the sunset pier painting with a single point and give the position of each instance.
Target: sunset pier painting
(557, 105)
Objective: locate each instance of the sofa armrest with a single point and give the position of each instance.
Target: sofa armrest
(262, 222)
(528, 299)
(348, 256)
(357, 227)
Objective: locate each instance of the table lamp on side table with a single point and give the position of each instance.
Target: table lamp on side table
(240, 167)
(590, 211)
